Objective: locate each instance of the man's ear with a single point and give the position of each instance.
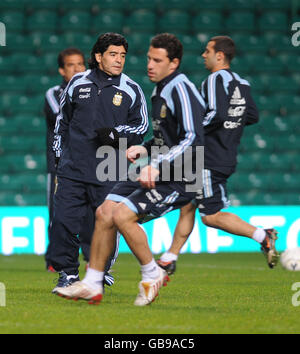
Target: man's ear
(98, 57)
(220, 56)
(175, 63)
(61, 71)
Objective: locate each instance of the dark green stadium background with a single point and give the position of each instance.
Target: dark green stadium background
(36, 30)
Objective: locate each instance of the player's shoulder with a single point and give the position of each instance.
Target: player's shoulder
(80, 78)
(127, 80)
(52, 90)
(240, 79)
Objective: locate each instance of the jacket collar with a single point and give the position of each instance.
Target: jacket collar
(63, 84)
(161, 84)
(101, 79)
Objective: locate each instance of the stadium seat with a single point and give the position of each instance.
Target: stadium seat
(33, 182)
(174, 21)
(273, 21)
(49, 64)
(207, 21)
(233, 5)
(11, 84)
(77, 21)
(30, 124)
(18, 42)
(246, 44)
(257, 83)
(192, 44)
(290, 61)
(35, 5)
(242, 65)
(12, 5)
(140, 21)
(34, 199)
(137, 64)
(268, 103)
(104, 5)
(6, 67)
(274, 5)
(27, 63)
(38, 84)
(7, 125)
(107, 21)
(82, 41)
(278, 43)
(70, 5)
(243, 21)
(265, 64)
(14, 21)
(163, 6)
(45, 42)
(25, 104)
(11, 182)
(142, 5)
(27, 162)
(197, 5)
(191, 63)
(139, 42)
(42, 20)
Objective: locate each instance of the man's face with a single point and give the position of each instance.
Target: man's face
(74, 64)
(159, 65)
(112, 60)
(209, 55)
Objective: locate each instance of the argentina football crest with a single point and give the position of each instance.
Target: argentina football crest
(117, 99)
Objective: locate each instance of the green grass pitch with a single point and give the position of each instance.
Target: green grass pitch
(209, 293)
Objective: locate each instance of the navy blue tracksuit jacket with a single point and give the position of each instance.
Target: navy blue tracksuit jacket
(229, 108)
(94, 100)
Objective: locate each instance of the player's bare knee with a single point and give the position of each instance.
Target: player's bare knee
(121, 215)
(104, 213)
(210, 220)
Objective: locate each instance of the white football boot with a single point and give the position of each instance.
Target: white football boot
(81, 291)
(149, 289)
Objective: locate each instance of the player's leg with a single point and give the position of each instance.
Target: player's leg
(230, 223)
(103, 241)
(182, 232)
(69, 211)
(50, 196)
(153, 276)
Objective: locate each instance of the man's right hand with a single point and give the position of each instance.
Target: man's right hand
(135, 152)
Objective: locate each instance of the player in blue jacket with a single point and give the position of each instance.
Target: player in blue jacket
(229, 108)
(70, 62)
(97, 108)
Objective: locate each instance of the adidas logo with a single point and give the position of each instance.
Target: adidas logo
(111, 135)
(236, 97)
(143, 205)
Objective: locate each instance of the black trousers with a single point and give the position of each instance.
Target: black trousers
(86, 232)
(75, 204)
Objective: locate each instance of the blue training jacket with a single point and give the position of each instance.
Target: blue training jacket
(94, 100)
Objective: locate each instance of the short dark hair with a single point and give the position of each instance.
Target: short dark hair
(103, 42)
(170, 43)
(65, 53)
(224, 44)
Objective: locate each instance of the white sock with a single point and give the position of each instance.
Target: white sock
(259, 235)
(150, 271)
(93, 278)
(169, 257)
